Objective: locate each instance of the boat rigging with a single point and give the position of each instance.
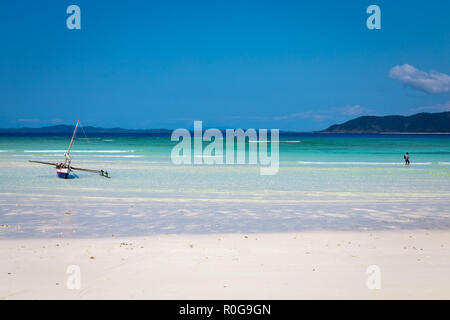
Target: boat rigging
(64, 169)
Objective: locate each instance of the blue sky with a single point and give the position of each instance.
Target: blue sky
(290, 65)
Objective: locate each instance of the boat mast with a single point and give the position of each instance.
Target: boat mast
(67, 154)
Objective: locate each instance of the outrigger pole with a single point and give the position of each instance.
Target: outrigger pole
(103, 173)
(66, 165)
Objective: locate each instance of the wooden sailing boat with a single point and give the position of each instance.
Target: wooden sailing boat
(64, 169)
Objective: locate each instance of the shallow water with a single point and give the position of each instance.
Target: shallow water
(344, 182)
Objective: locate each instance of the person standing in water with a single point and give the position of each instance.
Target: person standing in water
(406, 157)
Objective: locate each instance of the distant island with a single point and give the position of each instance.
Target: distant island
(68, 129)
(417, 123)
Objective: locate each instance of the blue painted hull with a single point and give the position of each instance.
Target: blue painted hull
(64, 174)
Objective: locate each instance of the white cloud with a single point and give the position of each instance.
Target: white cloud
(437, 108)
(351, 110)
(53, 121)
(319, 115)
(29, 120)
(431, 82)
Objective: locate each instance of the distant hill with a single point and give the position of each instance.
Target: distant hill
(421, 122)
(418, 123)
(67, 129)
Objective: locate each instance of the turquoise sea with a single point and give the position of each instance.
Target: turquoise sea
(325, 182)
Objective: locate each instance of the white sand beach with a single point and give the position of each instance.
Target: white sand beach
(225, 151)
(226, 232)
(303, 265)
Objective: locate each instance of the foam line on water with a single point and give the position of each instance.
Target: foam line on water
(115, 156)
(267, 141)
(79, 151)
(360, 163)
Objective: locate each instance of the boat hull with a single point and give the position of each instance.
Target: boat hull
(64, 173)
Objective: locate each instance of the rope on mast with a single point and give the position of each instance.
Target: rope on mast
(84, 132)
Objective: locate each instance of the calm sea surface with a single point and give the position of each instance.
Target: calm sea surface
(325, 182)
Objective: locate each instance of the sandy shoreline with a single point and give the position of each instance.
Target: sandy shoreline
(306, 265)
